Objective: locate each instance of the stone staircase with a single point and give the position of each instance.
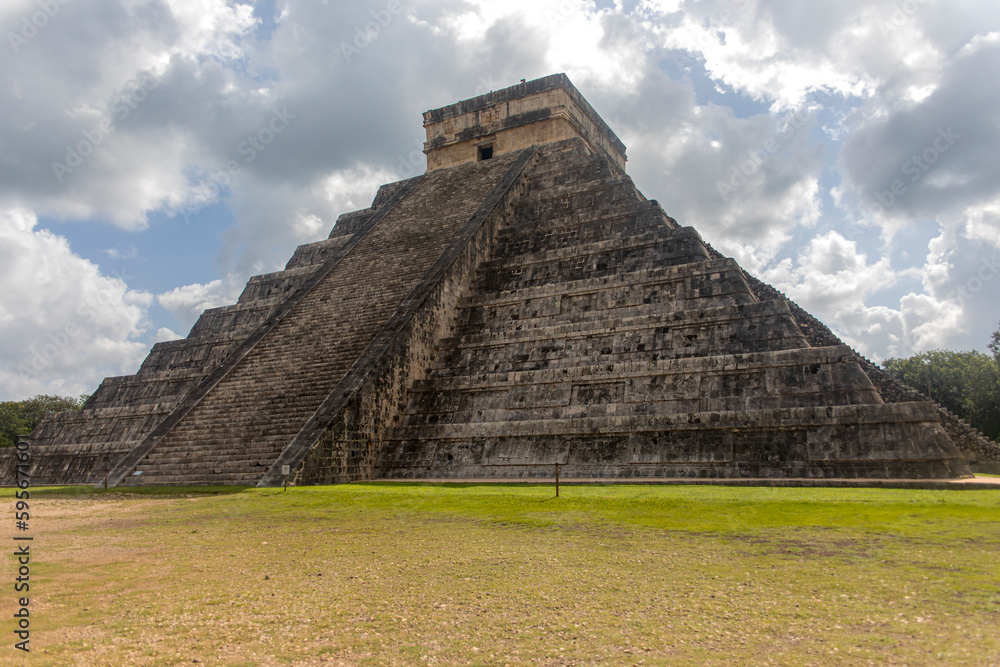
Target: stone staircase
(235, 433)
(81, 446)
(601, 336)
(594, 332)
(523, 307)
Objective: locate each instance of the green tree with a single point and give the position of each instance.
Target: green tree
(20, 417)
(994, 345)
(967, 383)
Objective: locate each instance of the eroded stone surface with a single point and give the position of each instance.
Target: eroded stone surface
(490, 319)
(602, 336)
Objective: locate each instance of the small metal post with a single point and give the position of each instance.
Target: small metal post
(557, 479)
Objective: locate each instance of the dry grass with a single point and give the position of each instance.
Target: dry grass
(414, 574)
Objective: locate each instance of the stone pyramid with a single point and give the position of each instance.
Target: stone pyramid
(519, 305)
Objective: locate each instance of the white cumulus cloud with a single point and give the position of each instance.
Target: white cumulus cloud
(63, 324)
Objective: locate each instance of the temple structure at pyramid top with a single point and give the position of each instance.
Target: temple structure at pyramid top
(532, 113)
(519, 305)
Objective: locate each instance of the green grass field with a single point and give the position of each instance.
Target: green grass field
(370, 574)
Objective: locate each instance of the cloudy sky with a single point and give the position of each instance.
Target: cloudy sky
(157, 153)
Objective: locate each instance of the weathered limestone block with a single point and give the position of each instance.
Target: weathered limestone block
(310, 254)
(250, 416)
(522, 304)
(975, 447)
(349, 434)
(542, 111)
(842, 441)
(666, 365)
(169, 373)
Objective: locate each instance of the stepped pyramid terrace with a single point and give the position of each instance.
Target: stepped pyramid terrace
(520, 304)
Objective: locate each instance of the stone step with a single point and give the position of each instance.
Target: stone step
(692, 281)
(736, 330)
(746, 467)
(145, 391)
(679, 249)
(613, 232)
(703, 318)
(857, 439)
(624, 398)
(599, 331)
(240, 319)
(546, 178)
(226, 463)
(264, 401)
(732, 382)
(185, 466)
(568, 158)
(90, 448)
(182, 463)
(311, 255)
(149, 376)
(523, 359)
(571, 171)
(621, 241)
(257, 467)
(199, 353)
(203, 479)
(583, 194)
(527, 317)
(81, 465)
(682, 326)
(553, 249)
(99, 425)
(235, 435)
(277, 284)
(528, 234)
(586, 205)
(638, 369)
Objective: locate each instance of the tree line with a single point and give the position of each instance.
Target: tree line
(20, 417)
(967, 383)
